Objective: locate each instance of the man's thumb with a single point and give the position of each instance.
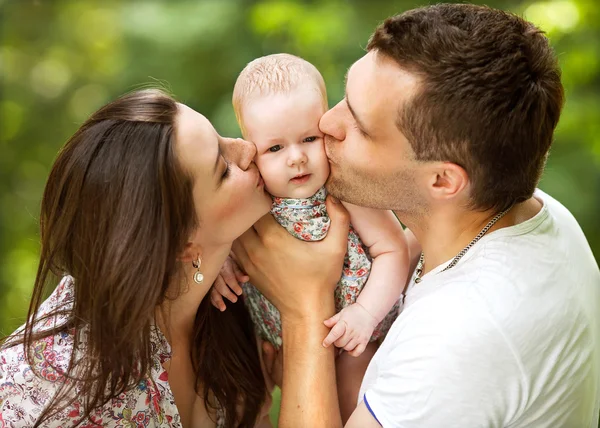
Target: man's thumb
(340, 219)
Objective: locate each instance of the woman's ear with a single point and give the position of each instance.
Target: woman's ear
(191, 252)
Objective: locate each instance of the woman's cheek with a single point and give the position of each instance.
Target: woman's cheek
(235, 200)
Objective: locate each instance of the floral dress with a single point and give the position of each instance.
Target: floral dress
(23, 395)
(307, 219)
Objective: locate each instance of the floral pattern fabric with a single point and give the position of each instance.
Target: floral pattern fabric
(24, 395)
(307, 219)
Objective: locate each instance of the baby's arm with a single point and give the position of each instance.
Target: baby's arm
(382, 233)
(228, 283)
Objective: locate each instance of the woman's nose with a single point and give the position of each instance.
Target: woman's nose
(297, 156)
(331, 122)
(239, 151)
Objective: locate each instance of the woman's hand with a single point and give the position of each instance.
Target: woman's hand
(298, 277)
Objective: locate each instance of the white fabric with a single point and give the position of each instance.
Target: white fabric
(509, 337)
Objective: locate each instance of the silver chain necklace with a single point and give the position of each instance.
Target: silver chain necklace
(419, 269)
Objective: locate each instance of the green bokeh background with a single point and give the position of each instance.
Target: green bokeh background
(61, 60)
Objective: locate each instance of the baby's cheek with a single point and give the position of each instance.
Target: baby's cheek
(323, 166)
(326, 168)
(273, 186)
(275, 179)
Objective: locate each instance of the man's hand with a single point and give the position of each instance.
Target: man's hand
(298, 277)
(227, 283)
(351, 329)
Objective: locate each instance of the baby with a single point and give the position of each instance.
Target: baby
(278, 101)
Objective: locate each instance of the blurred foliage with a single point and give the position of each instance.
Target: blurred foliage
(62, 59)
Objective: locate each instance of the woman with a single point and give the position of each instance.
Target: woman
(138, 215)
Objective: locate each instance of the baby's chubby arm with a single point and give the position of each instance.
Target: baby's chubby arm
(382, 233)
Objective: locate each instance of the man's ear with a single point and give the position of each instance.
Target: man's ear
(448, 180)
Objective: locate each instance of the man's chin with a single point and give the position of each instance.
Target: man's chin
(339, 190)
(352, 193)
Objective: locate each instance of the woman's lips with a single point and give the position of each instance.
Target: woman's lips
(300, 179)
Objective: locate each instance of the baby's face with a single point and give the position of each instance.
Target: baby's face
(290, 153)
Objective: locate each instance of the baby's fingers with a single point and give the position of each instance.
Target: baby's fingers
(217, 300)
(232, 282)
(240, 276)
(224, 290)
(351, 345)
(333, 320)
(360, 348)
(228, 272)
(336, 332)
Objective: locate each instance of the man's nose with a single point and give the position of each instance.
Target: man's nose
(331, 123)
(239, 151)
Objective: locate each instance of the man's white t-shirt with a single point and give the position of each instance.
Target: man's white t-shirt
(509, 337)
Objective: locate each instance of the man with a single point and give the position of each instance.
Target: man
(447, 120)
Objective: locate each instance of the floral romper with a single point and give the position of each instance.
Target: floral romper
(307, 219)
(23, 395)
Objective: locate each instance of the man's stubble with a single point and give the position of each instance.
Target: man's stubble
(373, 189)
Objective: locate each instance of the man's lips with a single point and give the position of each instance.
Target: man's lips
(300, 179)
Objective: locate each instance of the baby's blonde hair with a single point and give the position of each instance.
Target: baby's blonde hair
(274, 74)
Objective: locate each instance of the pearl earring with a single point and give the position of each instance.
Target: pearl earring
(198, 277)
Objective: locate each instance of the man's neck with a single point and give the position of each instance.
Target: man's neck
(445, 231)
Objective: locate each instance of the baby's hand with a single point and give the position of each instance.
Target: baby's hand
(227, 283)
(351, 329)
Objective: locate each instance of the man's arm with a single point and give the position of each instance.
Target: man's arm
(299, 278)
(362, 418)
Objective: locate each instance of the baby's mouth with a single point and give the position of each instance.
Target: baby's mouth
(300, 178)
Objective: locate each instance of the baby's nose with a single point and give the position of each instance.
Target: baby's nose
(297, 157)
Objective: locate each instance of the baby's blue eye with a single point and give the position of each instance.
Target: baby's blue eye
(309, 139)
(275, 148)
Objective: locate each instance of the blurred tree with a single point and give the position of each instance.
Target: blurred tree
(62, 59)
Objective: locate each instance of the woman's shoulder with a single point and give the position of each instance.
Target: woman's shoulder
(28, 382)
(61, 299)
(26, 389)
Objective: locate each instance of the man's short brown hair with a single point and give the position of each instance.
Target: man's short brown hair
(490, 95)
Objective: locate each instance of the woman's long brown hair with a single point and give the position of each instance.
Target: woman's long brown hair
(116, 212)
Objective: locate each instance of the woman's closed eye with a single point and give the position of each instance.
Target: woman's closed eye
(275, 148)
(227, 170)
